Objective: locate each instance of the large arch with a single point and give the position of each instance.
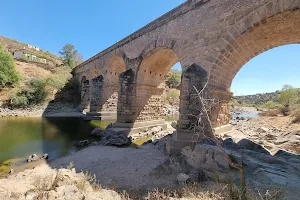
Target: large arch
(274, 31)
(141, 91)
(105, 88)
(150, 82)
(278, 30)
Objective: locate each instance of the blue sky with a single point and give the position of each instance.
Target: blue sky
(94, 25)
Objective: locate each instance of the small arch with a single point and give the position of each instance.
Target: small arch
(158, 61)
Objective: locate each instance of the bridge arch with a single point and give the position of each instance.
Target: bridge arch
(105, 87)
(242, 45)
(280, 29)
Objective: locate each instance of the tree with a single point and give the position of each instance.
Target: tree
(8, 72)
(288, 96)
(69, 54)
(79, 59)
(173, 79)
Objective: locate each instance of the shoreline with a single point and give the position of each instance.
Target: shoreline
(50, 110)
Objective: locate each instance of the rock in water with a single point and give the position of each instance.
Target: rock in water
(109, 126)
(45, 156)
(98, 132)
(32, 158)
(118, 139)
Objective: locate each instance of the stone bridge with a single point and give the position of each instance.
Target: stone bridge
(211, 39)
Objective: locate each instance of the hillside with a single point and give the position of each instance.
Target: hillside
(12, 46)
(257, 99)
(27, 71)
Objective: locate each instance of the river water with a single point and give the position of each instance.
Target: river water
(21, 137)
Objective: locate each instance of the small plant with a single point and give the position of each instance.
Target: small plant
(296, 115)
(172, 96)
(70, 166)
(173, 79)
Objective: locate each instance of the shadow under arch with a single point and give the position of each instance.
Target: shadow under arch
(146, 85)
(104, 89)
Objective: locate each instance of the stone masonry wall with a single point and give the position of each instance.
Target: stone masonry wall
(150, 101)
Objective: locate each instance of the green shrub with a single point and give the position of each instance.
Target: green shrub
(272, 105)
(172, 96)
(33, 93)
(8, 73)
(19, 100)
(271, 113)
(58, 80)
(296, 114)
(173, 79)
(289, 96)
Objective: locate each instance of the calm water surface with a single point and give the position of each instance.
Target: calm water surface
(21, 137)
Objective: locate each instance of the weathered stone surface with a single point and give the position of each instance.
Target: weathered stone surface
(98, 132)
(83, 143)
(205, 157)
(33, 158)
(183, 178)
(262, 130)
(248, 144)
(113, 138)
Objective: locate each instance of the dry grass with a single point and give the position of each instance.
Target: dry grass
(296, 115)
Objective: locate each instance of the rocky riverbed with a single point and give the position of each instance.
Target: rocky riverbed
(55, 110)
(273, 133)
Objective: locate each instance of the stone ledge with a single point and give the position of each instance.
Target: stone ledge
(135, 128)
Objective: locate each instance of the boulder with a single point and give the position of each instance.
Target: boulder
(33, 158)
(155, 130)
(45, 156)
(205, 156)
(174, 124)
(183, 178)
(262, 130)
(113, 138)
(83, 143)
(110, 126)
(249, 145)
(97, 132)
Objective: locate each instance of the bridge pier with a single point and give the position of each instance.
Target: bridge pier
(187, 131)
(139, 106)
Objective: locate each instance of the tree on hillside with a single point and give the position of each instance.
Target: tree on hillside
(173, 79)
(289, 96)
(8, 72)
(69, 54)
(79, 59)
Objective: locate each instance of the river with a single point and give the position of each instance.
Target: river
(21, 137)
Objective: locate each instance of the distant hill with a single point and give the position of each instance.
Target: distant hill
(257, 98)
(12, 46)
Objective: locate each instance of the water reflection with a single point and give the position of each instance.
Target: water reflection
(20, 137)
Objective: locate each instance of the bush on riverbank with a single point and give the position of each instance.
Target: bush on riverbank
(33, 93)
(37, 90)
